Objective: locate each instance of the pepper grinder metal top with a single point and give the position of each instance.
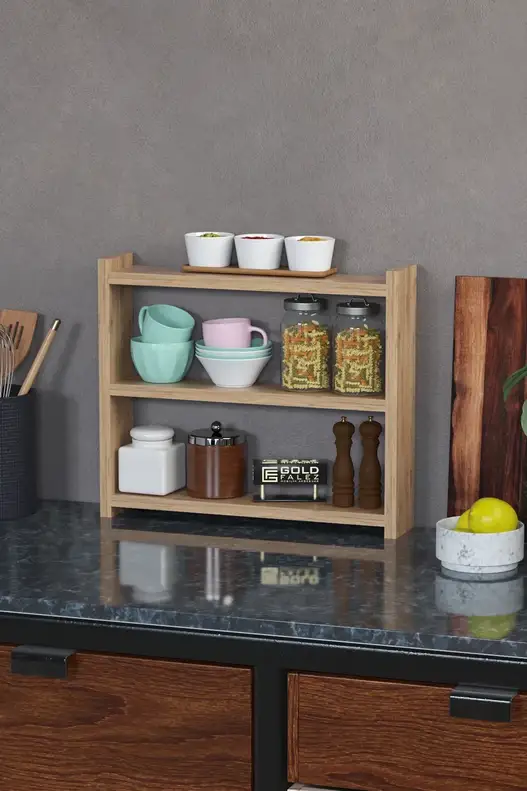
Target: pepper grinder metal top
(370, 474)
(343, 474)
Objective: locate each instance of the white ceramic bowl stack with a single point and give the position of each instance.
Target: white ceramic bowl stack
(234, 367)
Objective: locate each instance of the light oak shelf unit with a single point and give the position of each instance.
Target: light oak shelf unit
(118, 386)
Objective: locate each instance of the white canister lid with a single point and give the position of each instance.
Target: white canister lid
(152, 433)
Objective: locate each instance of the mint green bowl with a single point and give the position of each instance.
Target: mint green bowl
(161, 363)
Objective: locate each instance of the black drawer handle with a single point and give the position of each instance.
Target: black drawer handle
(36, 660)
(482, 703)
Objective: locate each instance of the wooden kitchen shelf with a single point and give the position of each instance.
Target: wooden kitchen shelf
(343, 285)
(264, 395)
(244, 506)
(118, 386)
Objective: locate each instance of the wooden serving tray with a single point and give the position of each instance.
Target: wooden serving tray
(235, 270)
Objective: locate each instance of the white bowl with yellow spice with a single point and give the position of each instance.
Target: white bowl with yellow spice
(309, 253)
(486, 540)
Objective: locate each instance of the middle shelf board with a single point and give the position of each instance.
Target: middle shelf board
(260, 394)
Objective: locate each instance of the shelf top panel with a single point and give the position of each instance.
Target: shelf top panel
(342, 285)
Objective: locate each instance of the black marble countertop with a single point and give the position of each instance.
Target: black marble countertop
(254, 578)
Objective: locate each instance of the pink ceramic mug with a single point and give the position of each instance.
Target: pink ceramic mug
(230, 333)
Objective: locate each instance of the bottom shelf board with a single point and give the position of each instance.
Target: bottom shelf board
(180, 502)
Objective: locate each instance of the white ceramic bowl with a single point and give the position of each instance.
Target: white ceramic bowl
(234, 354)
(478, 553)
(206, 251)
(259, 253)
(309, 256)
(234, 373)
(228, 356)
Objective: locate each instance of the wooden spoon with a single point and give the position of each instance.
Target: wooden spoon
(31, 375)
(20, 325)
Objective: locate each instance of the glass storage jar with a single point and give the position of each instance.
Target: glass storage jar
(306, 343)
(358, 348)
(216, 463)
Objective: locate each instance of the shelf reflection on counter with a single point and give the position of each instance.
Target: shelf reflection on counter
(272, 579)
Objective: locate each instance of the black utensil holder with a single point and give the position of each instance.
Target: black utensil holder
(18, 462)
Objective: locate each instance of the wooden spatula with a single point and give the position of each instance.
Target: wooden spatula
(20, 325)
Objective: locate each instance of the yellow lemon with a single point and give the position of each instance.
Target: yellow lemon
(462, 523)
(491, 627)
(490, 515)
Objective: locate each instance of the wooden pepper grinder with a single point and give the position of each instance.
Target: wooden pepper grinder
(343, 475)
(370, 486)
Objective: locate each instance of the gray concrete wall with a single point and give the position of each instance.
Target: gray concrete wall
(398, 126)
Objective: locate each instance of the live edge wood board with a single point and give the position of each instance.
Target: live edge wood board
(118, 386)
(487, 447)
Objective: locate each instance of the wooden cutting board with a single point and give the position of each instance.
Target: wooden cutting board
(487, 445)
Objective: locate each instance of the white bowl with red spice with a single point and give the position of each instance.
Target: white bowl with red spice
(259, 250)
(309, 253)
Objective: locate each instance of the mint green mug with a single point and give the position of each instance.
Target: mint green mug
(165, 324)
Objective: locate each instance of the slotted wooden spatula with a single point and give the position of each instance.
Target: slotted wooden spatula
(20, 325)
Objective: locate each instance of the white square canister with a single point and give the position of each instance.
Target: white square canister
(153, 463)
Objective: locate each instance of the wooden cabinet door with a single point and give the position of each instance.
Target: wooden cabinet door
(388, 736)
(126, 724)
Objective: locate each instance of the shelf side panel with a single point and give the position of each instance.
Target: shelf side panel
(400, 400)
(115, 415)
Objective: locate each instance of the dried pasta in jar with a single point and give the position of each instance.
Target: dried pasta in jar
(306, 344)
(305, 357)
(358, 354)
(358, 349)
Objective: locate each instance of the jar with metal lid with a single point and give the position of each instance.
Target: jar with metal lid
(306, 343)
(358, 348)
(216, 463)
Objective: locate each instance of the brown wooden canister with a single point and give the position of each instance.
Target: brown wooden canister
(216, 463)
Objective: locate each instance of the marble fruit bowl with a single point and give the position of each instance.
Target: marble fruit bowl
(482, 598)
(478, 553)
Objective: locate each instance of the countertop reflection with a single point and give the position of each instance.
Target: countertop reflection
(253, 577)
